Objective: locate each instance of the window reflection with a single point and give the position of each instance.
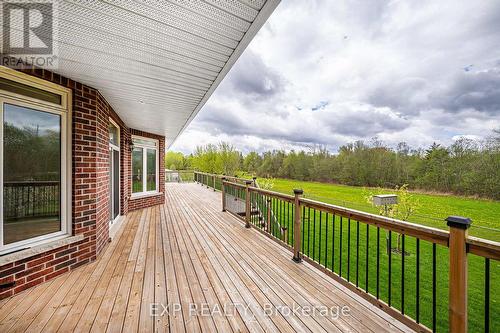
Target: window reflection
(32, 173)
(137, 170)
(151, 165)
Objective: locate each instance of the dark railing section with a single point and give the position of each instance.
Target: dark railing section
(403, 268)
(379, 258)
(31, 199)
(272, 214)
(235, 200)
(485, 257)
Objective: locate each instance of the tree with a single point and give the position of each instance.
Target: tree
(252, 162)
(176, 161)
(468, 167)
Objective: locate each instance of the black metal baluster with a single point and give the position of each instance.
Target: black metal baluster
(319, 243)
(389, 245)
(326, 241)
(333, 242)
(434, 287)
(486, 295)
(303, 225)
(366, 256)
(403, 274)
(290, 226)
(417, 290)
(281, 215)
(288, 220)
(309, 231)
(275, 225)
(349, 249)
(263, 210)
(357, 253)
(282, 219)
(340, 248)
(314, 235)
(378, 263)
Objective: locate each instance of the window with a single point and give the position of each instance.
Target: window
(34, 171)
(114, 134)
(144, 166)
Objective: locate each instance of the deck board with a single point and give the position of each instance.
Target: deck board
(224, 278)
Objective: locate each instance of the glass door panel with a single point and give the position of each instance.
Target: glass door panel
(116, 183)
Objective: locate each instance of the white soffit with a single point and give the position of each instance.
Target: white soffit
(156, 61)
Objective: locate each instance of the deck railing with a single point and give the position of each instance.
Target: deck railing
(417, 274)
(179, 176)
(30, 199)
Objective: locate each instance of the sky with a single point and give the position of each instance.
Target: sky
(326, 73)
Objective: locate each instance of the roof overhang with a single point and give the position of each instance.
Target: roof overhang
(156, 62)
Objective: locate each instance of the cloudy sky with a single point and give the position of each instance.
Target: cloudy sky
(331, 72)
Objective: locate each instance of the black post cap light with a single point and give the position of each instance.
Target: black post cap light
(458, 222)
(298, 191)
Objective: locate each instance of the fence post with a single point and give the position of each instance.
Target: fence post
(457, 304)
(297, 256)
(206, 178)
(214, 181)
(247, 203)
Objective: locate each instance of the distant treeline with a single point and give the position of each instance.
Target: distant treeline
(466, 167)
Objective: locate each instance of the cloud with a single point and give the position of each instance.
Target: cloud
(252, 78)
(474, 90)
(330, 72)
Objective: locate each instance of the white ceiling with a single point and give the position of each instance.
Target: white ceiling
(155, 61)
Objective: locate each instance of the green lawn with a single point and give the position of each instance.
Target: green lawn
(432, 211)
(323, 236)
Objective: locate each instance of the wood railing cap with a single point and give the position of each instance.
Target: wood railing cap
(412, 229)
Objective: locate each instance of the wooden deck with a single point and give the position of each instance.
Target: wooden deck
(211, 272)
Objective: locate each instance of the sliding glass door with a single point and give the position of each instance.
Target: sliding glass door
(114, 171)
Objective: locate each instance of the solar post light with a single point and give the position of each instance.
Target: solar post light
(386, 200)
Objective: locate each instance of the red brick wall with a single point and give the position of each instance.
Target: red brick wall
(42, 267)
(90, 188)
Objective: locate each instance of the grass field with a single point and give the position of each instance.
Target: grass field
(432, 210)
(350, 249)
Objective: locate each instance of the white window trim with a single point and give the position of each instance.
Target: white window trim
(111, 121)
(64, 110)
(144, 166)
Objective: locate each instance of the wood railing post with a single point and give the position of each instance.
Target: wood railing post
(214, 181)
(223, 189)
(248, 206)
(457, 304)
(297, 256)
